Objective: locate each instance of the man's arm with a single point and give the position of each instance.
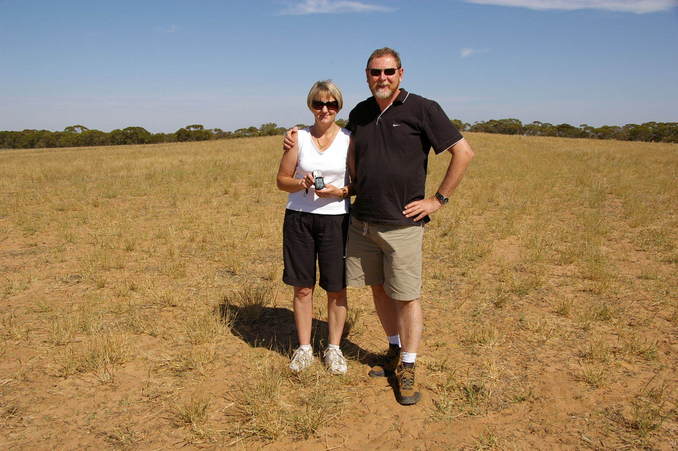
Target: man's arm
(350, 160)
(462, 154)
(290, 138)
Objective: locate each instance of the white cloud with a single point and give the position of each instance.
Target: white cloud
(466, 52)
(332, 7)
(631, 6)
(167, 29)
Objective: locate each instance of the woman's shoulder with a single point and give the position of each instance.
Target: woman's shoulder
(345, 133)
(304, 135)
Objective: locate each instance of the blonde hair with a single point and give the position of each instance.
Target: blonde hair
(325, 87)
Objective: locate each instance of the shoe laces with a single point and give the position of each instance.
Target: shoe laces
(407, 377)
(335, 360)
(300, 354)
(334, 354)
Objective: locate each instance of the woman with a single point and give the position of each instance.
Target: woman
(316, 222)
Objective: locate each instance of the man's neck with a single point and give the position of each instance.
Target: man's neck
(384, 103)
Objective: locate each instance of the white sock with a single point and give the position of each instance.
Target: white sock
(394, 340)
(306, 347)
(408, 357)
(333, 347)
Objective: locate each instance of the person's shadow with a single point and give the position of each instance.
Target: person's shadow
(273, 328)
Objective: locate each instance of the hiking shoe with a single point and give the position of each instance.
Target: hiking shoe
(407, 394)
(335, 361)
(301, 359)
(387, 362)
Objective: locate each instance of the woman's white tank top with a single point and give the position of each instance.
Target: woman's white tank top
(331, 164)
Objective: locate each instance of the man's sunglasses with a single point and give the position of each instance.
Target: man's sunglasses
(377, 72)
(318, 105)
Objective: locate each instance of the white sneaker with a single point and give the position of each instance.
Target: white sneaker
(301, 359)
(335, 361)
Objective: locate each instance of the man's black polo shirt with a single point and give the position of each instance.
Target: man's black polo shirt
(391, 154)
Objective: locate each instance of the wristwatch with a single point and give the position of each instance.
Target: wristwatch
(442, 199)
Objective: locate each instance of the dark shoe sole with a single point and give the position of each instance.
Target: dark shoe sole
(409, 400)
(377, 371)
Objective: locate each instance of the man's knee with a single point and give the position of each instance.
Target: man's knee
(410, 304)
(409, 309)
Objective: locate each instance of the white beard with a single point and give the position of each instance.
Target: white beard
(383, 92)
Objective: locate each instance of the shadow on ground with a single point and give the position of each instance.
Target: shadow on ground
(273, 328)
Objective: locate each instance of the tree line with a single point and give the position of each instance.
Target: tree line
(648, 131)
(79, 135)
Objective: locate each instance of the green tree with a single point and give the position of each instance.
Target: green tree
(568, 131)
(268, 129)
(460, 125)
(94, 138)
(130, 135)
(607, 132)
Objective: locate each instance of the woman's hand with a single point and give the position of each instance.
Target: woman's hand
(308, 181)
(330, 191)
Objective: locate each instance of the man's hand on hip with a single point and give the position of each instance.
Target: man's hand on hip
(419, 209)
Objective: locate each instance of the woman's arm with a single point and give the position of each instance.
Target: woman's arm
(285, 179)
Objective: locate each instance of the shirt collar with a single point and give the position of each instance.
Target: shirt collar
(402, 96)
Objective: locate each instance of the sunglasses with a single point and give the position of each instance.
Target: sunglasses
(377, 72)
(318, 105)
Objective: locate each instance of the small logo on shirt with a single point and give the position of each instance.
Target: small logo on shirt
(396, 125)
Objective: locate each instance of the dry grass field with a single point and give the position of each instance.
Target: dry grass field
(141, 304)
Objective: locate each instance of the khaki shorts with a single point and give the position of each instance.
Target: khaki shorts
(388, 255)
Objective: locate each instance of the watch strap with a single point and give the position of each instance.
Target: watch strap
(442, 199)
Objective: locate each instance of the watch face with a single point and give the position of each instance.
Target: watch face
(443, 200)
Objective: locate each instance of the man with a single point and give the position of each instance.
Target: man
(393, 132)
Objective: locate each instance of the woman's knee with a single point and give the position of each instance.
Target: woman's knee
(337, 297)
(303, 293)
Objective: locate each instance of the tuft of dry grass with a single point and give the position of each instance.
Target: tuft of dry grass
(595, 375)
(648, 410)
(203, 326)
(12, 328)
(192, 412)
(197, 358)
(355, 324)
(124, 437)
(99, 353)
(248, 302)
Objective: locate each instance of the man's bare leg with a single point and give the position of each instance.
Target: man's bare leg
(410, 324)
(386, 310)
(388, 315)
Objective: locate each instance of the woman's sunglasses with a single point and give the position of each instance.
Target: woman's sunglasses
(318, 105)
(377, 72)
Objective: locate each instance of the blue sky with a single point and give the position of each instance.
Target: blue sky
(235, 63)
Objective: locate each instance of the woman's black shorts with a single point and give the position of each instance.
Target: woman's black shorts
(307, 235)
